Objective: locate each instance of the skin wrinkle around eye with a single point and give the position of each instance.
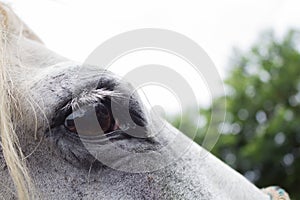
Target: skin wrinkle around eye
(97, 85)
(70, 146)
(72, 150)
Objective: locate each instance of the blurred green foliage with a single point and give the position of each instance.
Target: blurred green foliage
(260, 137)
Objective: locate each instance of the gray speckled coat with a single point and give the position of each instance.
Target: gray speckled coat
(50, 80)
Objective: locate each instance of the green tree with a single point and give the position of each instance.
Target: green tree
(261, 135)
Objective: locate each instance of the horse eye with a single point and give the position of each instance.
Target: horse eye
(84, 118)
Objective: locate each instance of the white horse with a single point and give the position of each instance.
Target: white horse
(36, 89)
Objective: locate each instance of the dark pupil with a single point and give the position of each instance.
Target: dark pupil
(104, 117)
(70, 124)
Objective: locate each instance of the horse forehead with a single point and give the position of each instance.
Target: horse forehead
(53, 84)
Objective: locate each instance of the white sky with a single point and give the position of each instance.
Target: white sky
(74, 28)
